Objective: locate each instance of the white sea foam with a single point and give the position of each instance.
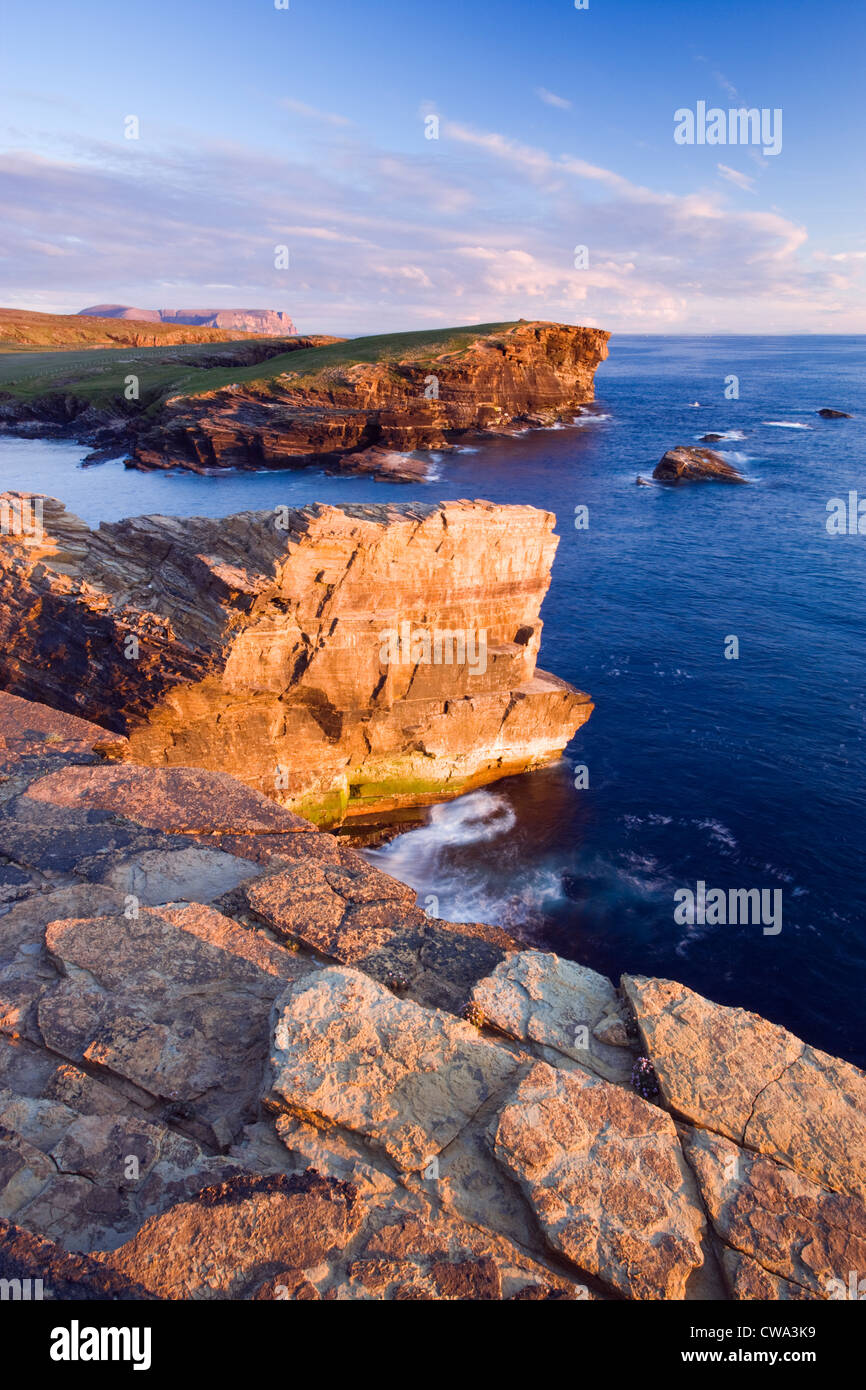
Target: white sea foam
(786, 425)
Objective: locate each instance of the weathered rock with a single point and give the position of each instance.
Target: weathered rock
(687, 464)
(827, 414)
(404, 1078)
(746, 1279)
(387, 464)
(792, 1227)
(230, 1239)
(731, 1071)
(541, 999)
(336, 904)
(604, 1173)
(179, 800)
(30, 728)
(531, 371)
(25, 970)
(177, 1003)
(46, 1271)
(272, 647)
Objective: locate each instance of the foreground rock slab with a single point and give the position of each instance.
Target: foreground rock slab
(536, 997)
(791, 1227)
(605, 1176)
(176, 1003)
(734, 1072)
(406, 1079)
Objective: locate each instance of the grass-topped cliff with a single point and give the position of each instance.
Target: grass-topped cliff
(184, 365)
(280, 403)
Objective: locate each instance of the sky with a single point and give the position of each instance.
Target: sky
(307, 128)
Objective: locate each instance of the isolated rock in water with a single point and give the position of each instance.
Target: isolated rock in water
(342, 660)
(604, 1173)
(792, 1227)
(711, 438)
(388, 464)
(827, 414)
(404, 1078)
(734, 1072)
(536, 997)
(688, 464)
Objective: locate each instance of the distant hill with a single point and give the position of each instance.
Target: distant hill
(271, 323)
(22, 329)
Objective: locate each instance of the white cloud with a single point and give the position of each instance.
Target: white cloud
(475, 227)
(744, 181)
(551, 99)
(300, 108)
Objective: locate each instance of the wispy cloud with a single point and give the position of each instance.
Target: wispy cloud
(312, 113)
(744, 181)
(473, 227)
(551, 99)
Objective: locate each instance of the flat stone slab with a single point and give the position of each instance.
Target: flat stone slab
(177, 1003)
(406, 1079)
(536, 997)
(335, 903)
(229, 1239)
(731, 1071)
(792, 1227)
(179, 800)
(604, 1174)
(30, 728)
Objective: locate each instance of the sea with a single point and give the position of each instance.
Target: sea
(721, 632)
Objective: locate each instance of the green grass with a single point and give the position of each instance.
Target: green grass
(97, 374)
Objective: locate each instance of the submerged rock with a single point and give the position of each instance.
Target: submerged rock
(687, 464)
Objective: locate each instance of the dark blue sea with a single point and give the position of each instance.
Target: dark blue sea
(745, 773)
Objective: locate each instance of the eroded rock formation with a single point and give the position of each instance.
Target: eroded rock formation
(342, 660)
(689, 464)
(534, 372)
(165, 1133)
(272, 322)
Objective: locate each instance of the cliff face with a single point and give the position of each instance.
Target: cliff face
(342, 660)
(537, 372)
(270, 322)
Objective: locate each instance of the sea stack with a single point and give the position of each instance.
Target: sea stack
(342, 660)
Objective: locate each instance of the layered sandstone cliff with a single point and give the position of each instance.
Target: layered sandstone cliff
(343, 660)
(536, 372)
(270, 322)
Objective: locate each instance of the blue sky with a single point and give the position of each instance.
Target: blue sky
(305, 127)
